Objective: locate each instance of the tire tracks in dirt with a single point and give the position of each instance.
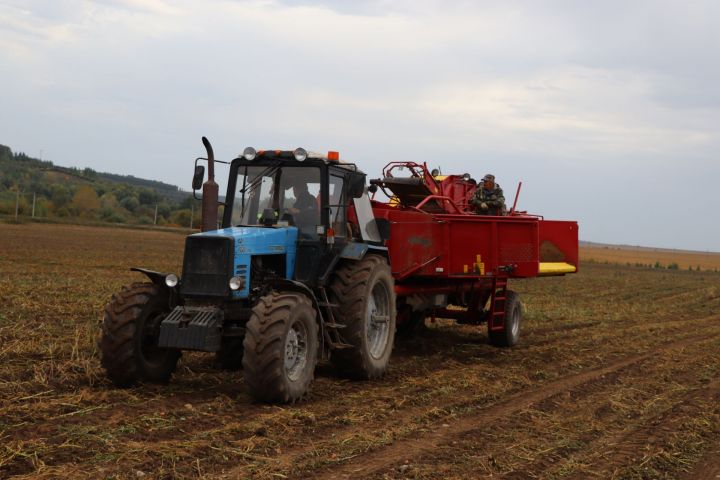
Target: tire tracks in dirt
(620, 438)
(294, 461)
(625, 447)
(382, 458)
(574, 330)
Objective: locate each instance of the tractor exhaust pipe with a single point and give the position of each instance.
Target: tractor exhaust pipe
(210, 192)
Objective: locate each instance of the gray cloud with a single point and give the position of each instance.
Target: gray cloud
(607, 111)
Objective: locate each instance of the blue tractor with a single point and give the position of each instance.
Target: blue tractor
(296, 272)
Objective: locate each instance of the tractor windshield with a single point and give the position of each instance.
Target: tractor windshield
(290, 193)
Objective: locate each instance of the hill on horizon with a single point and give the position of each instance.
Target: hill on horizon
(53, 191)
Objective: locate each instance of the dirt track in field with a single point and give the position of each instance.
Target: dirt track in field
(616, 377)
(488, 418)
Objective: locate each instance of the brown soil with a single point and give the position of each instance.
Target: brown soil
(616, 376)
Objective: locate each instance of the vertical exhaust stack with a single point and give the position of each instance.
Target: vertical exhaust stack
(210, 192)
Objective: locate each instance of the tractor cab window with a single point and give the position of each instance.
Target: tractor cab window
(337, 205)
(287, 193)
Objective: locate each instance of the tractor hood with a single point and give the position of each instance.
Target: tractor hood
(258, 240)
(246, 243)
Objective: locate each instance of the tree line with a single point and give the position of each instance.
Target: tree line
(39, 187)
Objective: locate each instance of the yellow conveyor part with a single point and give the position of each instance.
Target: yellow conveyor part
(555, 268)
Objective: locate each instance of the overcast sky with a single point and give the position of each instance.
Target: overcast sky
(608, 112)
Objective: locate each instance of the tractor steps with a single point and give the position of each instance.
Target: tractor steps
(331, 330)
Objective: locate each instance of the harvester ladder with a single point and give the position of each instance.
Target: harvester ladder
(332, 328)
(496, 315)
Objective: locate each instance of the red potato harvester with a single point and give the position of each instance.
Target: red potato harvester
(441, 252)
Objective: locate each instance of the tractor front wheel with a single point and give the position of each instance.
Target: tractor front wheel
(130, 331)
(509, 336)
(280, 347)
(365, 294)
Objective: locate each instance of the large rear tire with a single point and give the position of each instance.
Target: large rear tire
(130, 331)
(280, 347)
(365, 294)
(510, 335)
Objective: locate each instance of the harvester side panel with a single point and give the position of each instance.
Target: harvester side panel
(481, 245)
(443, 246)
(416, 244)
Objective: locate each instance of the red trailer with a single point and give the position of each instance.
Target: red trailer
(442, 253)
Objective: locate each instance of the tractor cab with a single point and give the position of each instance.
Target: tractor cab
(284, 188)
(285, 217)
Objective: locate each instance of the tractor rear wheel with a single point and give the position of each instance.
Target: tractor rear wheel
(130, 331)
(508, 336)
(365, 294)
(280, 347)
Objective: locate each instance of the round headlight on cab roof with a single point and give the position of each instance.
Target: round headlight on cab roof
(300, 154)
(466, 177)
(171, 280)
(249, 153)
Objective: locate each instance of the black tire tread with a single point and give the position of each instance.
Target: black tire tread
(349, 288)
(262, 364)
(118, 354)
(502, 338)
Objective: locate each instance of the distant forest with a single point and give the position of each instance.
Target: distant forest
(45, 190)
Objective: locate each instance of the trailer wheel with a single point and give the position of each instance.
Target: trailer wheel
(130, 331)
(280, 347)
(509, 336)
(365, 294)
(230, 355)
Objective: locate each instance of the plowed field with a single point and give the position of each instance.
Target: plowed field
(617, 376)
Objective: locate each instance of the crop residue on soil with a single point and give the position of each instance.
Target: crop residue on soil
(616, 376)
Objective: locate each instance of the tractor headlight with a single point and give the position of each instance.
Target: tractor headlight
(466, 177)
(236, 283)
(300, 154)
(171, 280)
(249, 153)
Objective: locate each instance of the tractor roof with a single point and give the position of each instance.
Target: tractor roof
(331, 158)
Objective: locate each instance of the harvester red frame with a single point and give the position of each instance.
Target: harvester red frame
(441, 252)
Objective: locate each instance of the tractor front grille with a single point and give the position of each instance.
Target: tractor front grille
(207, 266)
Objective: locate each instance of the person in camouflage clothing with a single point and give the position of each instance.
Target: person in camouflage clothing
(489, 198)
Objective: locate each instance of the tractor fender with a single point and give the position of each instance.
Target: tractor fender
(287, 284)
(354, 252)
(358, 250)
(158, 278)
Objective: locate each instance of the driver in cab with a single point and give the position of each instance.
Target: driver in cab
(305, 209)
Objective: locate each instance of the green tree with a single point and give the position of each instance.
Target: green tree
(148, 197)
(131, 204)
(60, 196)
(85, 200)
(181, 218)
